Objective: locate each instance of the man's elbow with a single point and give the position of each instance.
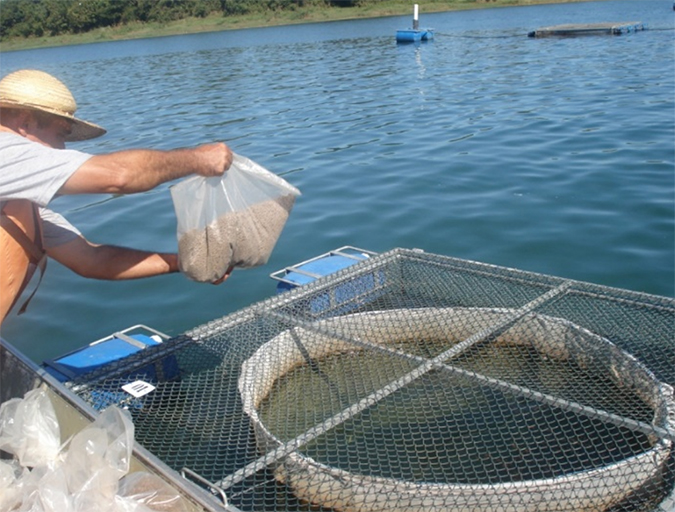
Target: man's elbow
(122, 180)
(108, 174)
(93, 270)
(91, 261)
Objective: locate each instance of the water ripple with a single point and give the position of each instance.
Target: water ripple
(551, 155)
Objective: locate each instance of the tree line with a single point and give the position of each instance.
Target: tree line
(37, 18)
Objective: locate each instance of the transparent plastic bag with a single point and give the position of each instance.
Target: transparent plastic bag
(98, 457)
(152, 492)
(88, 473)
(230, 221)
(11, 485)
(44, 489)
(29, 429)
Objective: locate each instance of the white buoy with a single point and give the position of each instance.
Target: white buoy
(416, 23)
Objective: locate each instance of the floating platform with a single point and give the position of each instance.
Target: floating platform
(585, 29)
(414, 36)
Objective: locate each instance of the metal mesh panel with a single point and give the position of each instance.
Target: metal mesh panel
(414, 381)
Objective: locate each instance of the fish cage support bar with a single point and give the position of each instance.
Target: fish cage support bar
(429, 364)
(567, 405)
(131, 341)
(537, 396)
(199, 478)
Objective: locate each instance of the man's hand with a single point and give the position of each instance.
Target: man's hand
(212, 159)
(224, 278)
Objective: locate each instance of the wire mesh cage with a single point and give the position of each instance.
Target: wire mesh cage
(412, 381)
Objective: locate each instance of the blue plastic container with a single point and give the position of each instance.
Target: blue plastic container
(310, 270)
(344, 297)
(414, 36)
(107, 352)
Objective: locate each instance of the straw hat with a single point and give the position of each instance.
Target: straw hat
(37, 90)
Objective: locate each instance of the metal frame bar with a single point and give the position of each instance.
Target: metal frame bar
(375, 397)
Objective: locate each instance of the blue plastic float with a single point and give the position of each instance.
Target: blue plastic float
(414, 34)
(312, 269)
(108, 350)
(344, 297)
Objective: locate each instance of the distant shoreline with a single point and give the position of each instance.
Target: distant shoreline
(217, 23)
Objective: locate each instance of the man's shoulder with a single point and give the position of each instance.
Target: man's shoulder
(14, 142)
(10, 139)
(10, 136)
(33, 171)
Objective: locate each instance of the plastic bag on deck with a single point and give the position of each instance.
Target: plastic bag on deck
(230, 221)
(29, 429)
(150, 491)
(44, 489)
(11, 488)
(88, 473)
(98, 457)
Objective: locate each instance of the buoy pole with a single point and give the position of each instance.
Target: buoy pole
(416, 22)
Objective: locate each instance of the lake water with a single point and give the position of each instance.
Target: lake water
(549, 155)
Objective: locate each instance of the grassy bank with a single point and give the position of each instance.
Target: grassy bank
(216, 23)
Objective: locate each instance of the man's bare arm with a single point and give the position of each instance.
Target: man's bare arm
(113, 263)
(139, 170)
(110, 262)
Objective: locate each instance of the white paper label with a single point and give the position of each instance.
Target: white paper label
(138, 389)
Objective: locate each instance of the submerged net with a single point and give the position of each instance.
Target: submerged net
(413, 381)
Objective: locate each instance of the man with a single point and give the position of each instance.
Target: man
(37, 118)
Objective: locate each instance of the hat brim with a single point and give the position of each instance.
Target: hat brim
(84, 130)
(81, 130)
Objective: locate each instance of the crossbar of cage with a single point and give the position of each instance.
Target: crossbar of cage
(492, 382)
(499, 384)
(377, 396)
